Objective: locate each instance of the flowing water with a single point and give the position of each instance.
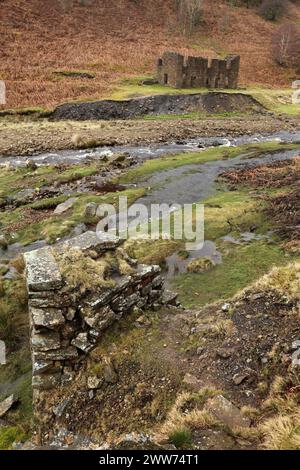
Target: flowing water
(147, 151)
(182, 185)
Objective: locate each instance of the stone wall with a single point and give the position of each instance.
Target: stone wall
(175, 70)
(66, 325)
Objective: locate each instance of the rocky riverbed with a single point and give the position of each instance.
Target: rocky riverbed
(26, 137)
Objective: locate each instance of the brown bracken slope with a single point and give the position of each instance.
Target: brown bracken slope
(118, 39)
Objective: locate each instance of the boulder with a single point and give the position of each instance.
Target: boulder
(90, 209)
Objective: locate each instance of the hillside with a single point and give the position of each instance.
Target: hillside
(120, 39)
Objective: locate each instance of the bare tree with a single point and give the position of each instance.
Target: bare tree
(189, 14)
(286, 45)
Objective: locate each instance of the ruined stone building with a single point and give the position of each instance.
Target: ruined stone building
(175, 70)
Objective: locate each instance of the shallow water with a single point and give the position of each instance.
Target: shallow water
(148, 151)
(194, 183)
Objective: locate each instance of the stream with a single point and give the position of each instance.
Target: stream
(71, 157)
(182, 185)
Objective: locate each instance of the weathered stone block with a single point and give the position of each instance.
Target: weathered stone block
(90, 241)
(46, 382)
(63, 354)
(226, 412)
(40, 367)
(47, 318)
(82, 342)
(101, 320)
(45, 342)
(42, 270)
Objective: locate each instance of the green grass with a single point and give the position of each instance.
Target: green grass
(240, 267)
(181, 438)
(278, 100)
(9, 435)
(194, 116)
(56, 226)
(188, 158)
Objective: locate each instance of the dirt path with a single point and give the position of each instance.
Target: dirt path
(29, 137)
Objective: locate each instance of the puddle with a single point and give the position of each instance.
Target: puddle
(247, 237)
(176, 264)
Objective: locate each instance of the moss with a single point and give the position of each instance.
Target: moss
(48, 202)
(9, 435)
(283, 280)
(151, 251)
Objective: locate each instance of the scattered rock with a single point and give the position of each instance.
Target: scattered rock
(226, 412)
(82, 342)
(59, 409)
(224, 353)
(93, 382)
(90, 209)
(65, 206)
(238, 379)
(191, 382)
(6, 405)
(170, 298)
(109, 371)
(226, 307)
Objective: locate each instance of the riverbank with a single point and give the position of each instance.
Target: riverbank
(27, 137)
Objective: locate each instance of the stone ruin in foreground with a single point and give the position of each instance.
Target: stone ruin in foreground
(175, 70)
(77, 289)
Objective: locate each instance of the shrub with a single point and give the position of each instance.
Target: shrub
(272, 10)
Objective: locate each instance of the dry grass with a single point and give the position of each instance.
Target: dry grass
(83, 273)
(182, 417)
(285, 281)
(282, 431)
(119, 39)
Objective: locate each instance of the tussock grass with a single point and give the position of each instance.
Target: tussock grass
(84, 273)
(285, 281)
(282, 430)
(187, 414)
